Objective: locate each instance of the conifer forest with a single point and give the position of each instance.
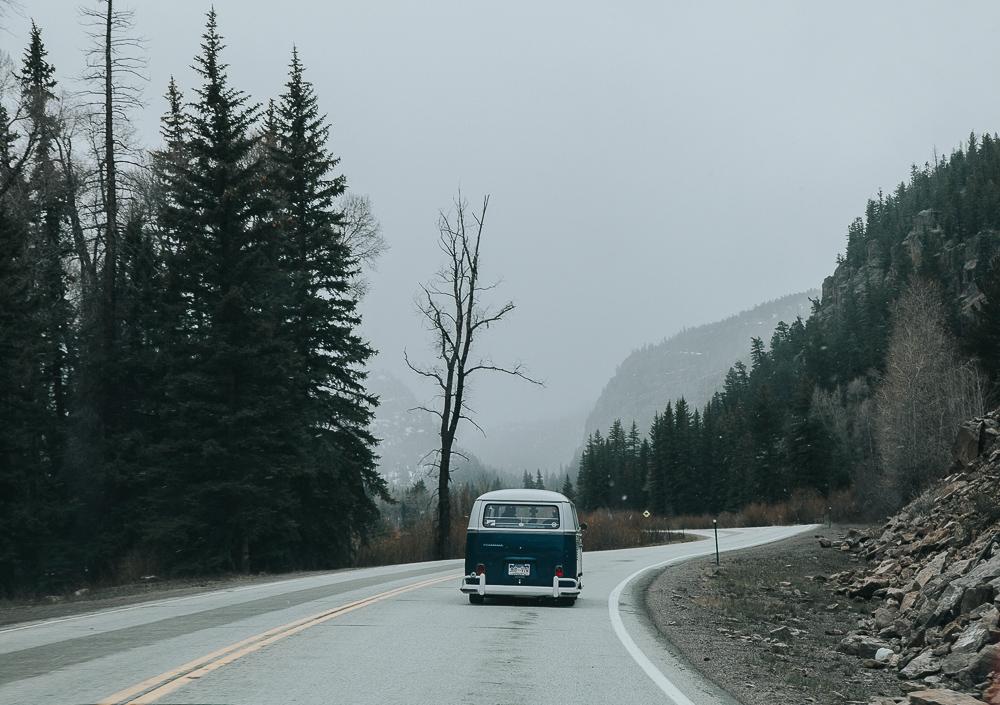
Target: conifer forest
(182, 383)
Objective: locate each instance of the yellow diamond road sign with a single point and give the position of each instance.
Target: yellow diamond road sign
(646, 514)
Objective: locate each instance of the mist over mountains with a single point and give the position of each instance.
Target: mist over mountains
(405, 436)
(690, 364)
(545, 445)
(408, 436)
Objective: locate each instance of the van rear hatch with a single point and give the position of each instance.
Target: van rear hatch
(525, 544)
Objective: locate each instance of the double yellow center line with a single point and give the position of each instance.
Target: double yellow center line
(152, 689)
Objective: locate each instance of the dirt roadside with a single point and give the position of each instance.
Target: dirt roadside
(763, 628)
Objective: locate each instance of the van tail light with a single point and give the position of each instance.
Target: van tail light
(559, 571)
(480, 569)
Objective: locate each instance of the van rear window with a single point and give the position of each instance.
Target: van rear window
(521, 516)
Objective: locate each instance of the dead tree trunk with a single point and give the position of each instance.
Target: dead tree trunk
(110, 278)
(454, 314)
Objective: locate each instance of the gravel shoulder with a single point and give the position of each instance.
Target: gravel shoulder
(763, 628)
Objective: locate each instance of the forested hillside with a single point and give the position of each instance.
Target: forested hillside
(864, 393)
(182, 384)
(690, 364)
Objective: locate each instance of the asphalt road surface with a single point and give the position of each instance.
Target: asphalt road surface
(399, 634)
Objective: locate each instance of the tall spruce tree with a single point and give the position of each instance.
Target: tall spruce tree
(222, 501)
(567, 488)
(23, 490)
(48, 374)
(321, 325)
(47, 244)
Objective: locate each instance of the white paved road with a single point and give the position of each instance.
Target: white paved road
(399, 634)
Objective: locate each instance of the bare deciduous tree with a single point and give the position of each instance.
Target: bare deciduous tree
(363, 235)
(926, 393)
(451, 307)
(114, 74)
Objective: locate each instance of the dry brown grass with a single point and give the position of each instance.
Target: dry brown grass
(801, 508)
(607, 529)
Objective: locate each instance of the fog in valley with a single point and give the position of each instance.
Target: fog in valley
(652, 166)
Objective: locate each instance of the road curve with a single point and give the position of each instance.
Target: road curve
(397, 634)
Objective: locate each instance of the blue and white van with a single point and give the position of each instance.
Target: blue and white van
(523, 543)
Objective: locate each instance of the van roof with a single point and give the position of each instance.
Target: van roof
(524, 496)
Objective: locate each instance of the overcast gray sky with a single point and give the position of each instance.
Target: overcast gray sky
(652, 165)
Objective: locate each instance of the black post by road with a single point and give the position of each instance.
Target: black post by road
(715, 525)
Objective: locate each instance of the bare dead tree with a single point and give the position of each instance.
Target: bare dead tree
(363, 235)
(113, 79)
(5, 7)
(73, 175)
(451, 307)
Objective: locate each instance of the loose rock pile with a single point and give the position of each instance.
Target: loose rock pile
(933, 574)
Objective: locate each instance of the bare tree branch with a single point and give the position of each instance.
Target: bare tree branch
(427, 409)
(516, 371)
(362, 234)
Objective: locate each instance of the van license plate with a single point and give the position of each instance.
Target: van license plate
(518, 569)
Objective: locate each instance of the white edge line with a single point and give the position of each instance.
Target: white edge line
(637, 654)
(211, 593)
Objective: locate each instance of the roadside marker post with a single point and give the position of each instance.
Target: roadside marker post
(715, 527)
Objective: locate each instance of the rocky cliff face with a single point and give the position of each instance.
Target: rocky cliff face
(933, 580)
(955, 263)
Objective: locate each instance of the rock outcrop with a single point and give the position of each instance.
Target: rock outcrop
(932, 574)
(957, 260)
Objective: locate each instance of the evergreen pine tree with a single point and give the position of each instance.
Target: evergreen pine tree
(322, 326)
(228, 439)
(567, 488)
(682, 480)
(48, 376)
(24, 490)
(614, 469)
(634, 475)
(661, 461)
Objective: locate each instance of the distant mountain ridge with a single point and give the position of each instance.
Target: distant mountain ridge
(408, 437)
(405, 436)
(692, 363)
(516, 446)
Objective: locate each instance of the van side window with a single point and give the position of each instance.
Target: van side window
(576, 519)
(521, 516)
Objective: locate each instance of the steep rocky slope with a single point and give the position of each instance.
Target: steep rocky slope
(954, 261)
(932, 578)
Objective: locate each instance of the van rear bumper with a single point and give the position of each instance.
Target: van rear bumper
(473, 584)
